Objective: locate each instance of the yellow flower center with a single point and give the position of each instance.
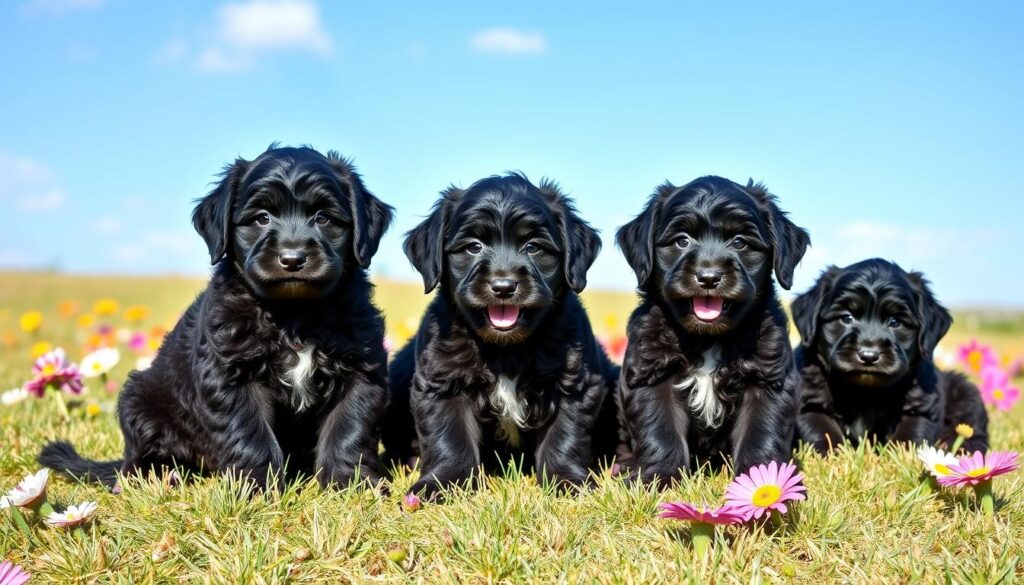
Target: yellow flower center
(978, 472)
(974, 360)
(941, 469)
(766, 495)
(96, 366)
(48, 370)
(998, 394)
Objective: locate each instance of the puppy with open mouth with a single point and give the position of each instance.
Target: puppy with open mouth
(868, 332)
(279, 365)
(708, 373)
(505, 364)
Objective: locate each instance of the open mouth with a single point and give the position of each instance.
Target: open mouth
(709, 309)
(503, 317)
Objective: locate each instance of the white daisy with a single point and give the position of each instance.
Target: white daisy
(144, 362)
(28, 493)
(72, 516)
(13, 396)
(936, 461)
(100, 362)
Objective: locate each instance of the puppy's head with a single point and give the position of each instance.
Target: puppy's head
(504, 252)
(293, 221)
(707, 249)
(870, 322)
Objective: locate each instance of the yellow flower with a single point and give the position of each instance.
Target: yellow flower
(136, 313)
(67, 308)
(31, 321)
(106, 307)
(93, 409)
(965, 430)
(86, 320)
(40, 348)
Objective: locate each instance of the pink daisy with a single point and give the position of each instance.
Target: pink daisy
(997, 389)
(53, 369)
(976, 357)
(11, 574)
(688, 512)
(764, 488)
(978, 468)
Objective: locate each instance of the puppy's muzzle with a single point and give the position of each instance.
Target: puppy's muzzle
(292, 260)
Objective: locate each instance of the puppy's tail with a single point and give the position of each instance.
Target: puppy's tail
(61, 456)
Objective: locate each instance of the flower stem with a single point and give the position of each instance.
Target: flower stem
(45, 508)
(701, 534)
(19, 519)
(983, 491)
(957, 443)
(62, 408)
(79, 533)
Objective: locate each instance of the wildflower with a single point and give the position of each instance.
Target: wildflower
(31, 321)
(976, 357)
(702, 520)
(137, 342)
(764, 488)
(29, 493)
(39, 348)
(86, 320)
(997, 390)
(936, 461)
(964, 430)
(100, 362)
(978, 470)
(106, 307)
(13, 396)
(52, 370)
(11, 574)
(136, 313)
(93, 409)
(72, 516)
(411, 503)
(144, 362)
(67, 308)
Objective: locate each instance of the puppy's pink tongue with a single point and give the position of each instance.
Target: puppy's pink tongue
(707, 308)
(503, 316)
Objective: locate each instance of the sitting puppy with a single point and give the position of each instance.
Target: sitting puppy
(504, 363)
(708, 370)
(868, 332)
(281, 360)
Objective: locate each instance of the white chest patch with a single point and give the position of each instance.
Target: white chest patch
(510, 410)
(299, 377)
(703, 401)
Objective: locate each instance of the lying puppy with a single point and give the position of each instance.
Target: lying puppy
(281, 360)
(865, 361)
(708, 370)
(504, 363)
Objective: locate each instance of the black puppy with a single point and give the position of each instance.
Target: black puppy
(281, 359)
(504, 363)
(866, 362)
(708, 370)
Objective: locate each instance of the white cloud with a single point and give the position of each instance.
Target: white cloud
(509, 41)
(105, 225)
(59, 7)
(29, 185)
(247, 30)
(174, 241)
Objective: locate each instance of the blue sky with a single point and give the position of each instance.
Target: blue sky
(891, 129)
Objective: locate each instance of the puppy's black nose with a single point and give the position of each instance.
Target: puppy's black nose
(868, 356)
(709, 278)
(504, 287)
(292, 259)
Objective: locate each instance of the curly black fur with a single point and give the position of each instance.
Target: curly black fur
(446, 386)
(290, 234)
(868, 332)
(702, 385)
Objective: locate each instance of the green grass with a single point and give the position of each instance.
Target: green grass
(865, 520)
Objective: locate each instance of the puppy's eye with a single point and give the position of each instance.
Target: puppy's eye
(893, 323)
(532, 248)
(683, 242)
(321, 219)
(846, 318)
(263, 218)
(475, 248)
(738, 243)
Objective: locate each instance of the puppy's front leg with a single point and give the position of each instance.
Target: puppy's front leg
(347, 446)
(449, 438)
(919, 422)
(820, 430)
(658, 423)
(564, 451)
(765, 425)
(240, 436)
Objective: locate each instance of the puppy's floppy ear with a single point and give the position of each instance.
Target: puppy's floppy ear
(424, 244)
(370, 216)
(636, 238)
(789, 242)
(806, 308)
(580, 242)
(935, 319)
(212, 215)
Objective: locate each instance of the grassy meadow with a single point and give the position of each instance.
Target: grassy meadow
(866, 519)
